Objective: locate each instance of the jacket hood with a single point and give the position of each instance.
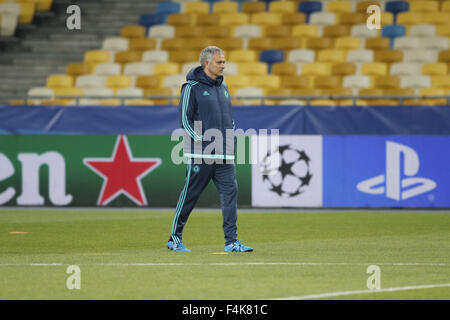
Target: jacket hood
(197, 74)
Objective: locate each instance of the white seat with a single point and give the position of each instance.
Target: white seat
(108, 69)
(356, 82)
(405, 68)
(155, 56)
(407, 43)
(415, 81)
(435, 43)
(174, 81)
(90, 81)
(246, 32)
(422, 30)
(8, 24)
(116, 44)
(161, 31)
(361, 31)
(301, 55)
(43, 92)
(419, 55)
(130, 92)
(249, 92)
(138, 69)
(322, 18)
(292, 102)
(360, 56)
(10, 7)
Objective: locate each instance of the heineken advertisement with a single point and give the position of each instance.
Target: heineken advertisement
(99, 170)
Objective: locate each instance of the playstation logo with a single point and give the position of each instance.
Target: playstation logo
(399, 182)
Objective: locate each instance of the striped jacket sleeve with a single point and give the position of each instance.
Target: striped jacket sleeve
(187, 103)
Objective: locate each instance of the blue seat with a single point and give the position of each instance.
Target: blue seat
(270, 57)
(393, 31)
(395, 7)
(308, 7)
(150, 19)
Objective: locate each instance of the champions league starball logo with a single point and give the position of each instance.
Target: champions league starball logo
(286, 171)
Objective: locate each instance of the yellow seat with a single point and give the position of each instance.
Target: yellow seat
(293, 19)
(239, 56)
(165, 69)
(374, 69)
(233, 19)
(139, 102)
(146, 82)
(179, 19)
(377, 43)
(133, 31)
(442, 82)
(307, 30)
(444, 56)
(288, 43)
(217, 31)
(386, 82)
(229, 44)
(424, 6)
(116, 82)
(339, 6)
(326, 82)
(269, 81)
(253, 7)
(252, 68)
(437, 18)
(443, 30)
(351, 18)
(142, 44)
(78, 68)
(388, 56)
(445, 6)
(260, 44)
(280, 31)
(97, 56)
(206, 19)
(283, 7)
(26, 14)
(225, 7)
(331, 55)
(152, 93)
(343, 69)
(316, 69)
(284, 68)
(183, 56)
(173, 44)
(295, 81)
(59, 81)
(434, 69)
(318, 43)
(237, 81)
(408, 18)
(188, 32)
(386, 18)
(266, 19)
(361, 6)
(39, 5)
(196, 7)
(334, 31)
(347, 43)
(67, 92)
(124, 57)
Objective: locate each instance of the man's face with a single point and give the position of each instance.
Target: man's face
(215, 68)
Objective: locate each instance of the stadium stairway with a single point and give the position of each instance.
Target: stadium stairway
(46, 46)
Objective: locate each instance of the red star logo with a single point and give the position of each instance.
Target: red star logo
(122, 173)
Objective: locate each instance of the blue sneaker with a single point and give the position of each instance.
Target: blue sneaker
(237, 246)
(177, 247)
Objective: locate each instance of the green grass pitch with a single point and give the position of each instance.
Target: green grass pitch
(122, 254)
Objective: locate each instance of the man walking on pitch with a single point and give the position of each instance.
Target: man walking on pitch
(205, 105)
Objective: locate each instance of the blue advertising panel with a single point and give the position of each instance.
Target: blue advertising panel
(386, 171)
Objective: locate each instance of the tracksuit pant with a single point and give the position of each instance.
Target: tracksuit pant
(197, 178)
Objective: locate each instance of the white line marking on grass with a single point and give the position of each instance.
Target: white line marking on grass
(347, 293)
(181, 264)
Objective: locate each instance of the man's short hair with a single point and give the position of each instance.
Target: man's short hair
(208, 53)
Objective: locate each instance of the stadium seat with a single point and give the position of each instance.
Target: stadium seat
(270, 57)
(295, 81)
(116, 82)
(386, 82)
(196, 7)
(419, 55)
(174, 82)
(259, 44)
(140, 44)
(124, 57)
(415, 82)
(377, 43)
(248, 96)
(59, 81)
(280, 31)
(97, 56)
(284, 68)
(292, 19)
(422, 30)
(150, 19)
(148, 81)
(316, 69)
(343, 69)
(179, 19)
(229, 44)
(217, 31)
(138, 69)
(225, 7)
(78, 68)
(335, 31)
(331, 55)
(339, 6)
(188, 32)
(404, 68)
(108, 69)
(239, 56)
(374, 69)
(97, 92)
(269, 81)
(116, 44)
(322, 18)
(347, 43)
(266, 19)
(166, 69)
(361, 31)
(252, 68)
(410, 18)
(435, 43)
(301, 55)
(287, 43)
(424, 6)
(396, 7)
(167, 8)
(173, 44)
(388, 56)
(155, 56)
(309, 7)
(360, 56)
(352, 18)
(392, 32)
(434, 69)
(133, 31)
(183, 56)
(283, 7)
(356, 82)
(90, 81)
(253, 7)
(8, 24)
(318, 43)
